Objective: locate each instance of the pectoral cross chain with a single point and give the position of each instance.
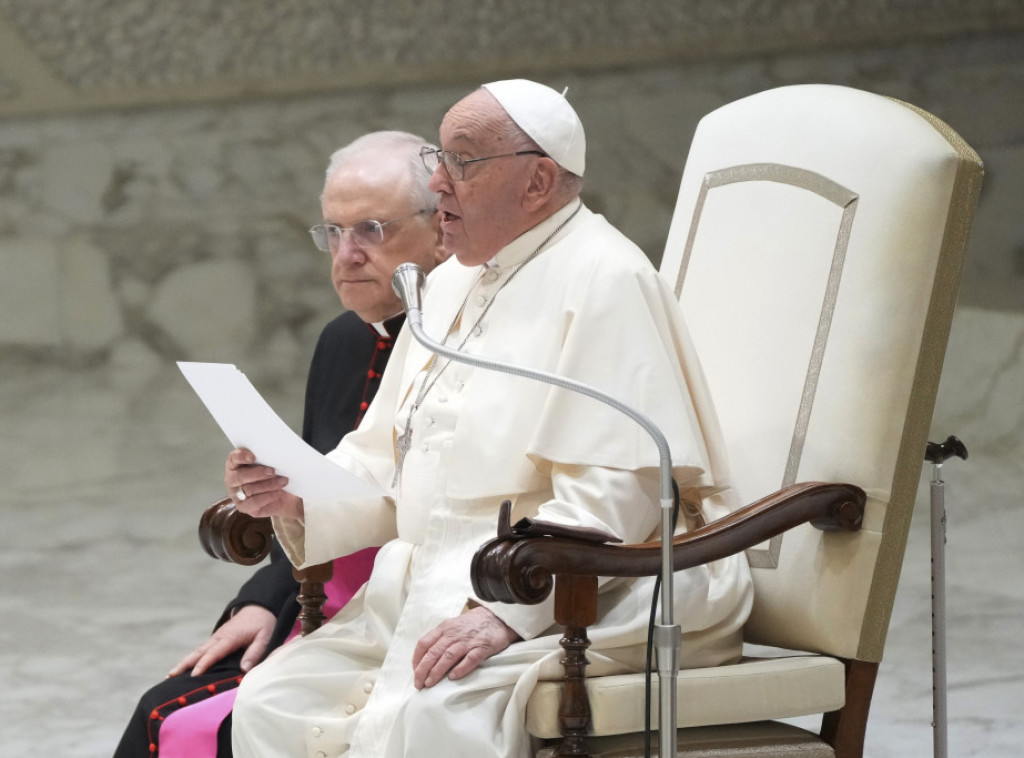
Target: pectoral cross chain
(404, 442)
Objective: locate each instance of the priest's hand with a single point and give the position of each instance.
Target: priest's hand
(457, 646)
(257, 489)
(250, 627)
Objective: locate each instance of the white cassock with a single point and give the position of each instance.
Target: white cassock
(590, 307)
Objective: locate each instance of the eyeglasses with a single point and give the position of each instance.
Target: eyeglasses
(365, 234)
(455, 164)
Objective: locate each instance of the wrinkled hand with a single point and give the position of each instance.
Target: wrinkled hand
(263, 488)
(249, 628)
(457, 646)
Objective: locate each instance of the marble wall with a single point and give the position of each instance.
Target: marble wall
(133, 238)
(60, 56)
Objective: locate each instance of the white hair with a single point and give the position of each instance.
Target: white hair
(394, 144)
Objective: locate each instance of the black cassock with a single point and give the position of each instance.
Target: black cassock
(344, 375)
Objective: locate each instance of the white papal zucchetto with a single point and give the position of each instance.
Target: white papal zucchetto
(547, 117)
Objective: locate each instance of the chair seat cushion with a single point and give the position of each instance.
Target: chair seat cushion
(755, 689)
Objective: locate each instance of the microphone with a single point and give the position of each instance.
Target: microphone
(408, 281)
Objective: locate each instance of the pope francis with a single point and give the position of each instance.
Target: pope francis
(415, 665)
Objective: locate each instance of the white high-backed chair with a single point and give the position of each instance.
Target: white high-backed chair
(816, 249)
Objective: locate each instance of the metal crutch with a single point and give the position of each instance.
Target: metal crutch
(937, 453)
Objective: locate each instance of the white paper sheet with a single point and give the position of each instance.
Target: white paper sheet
(248, 421)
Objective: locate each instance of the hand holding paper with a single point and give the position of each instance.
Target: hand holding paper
(249, 422)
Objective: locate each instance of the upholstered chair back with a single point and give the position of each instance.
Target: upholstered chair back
(819, 283)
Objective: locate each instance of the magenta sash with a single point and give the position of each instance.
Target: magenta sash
(191, 731)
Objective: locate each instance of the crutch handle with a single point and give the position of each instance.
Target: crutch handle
(937, 452)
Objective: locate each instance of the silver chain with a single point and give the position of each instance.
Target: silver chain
(405, 440)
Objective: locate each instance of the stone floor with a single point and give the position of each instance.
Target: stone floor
(104, 586)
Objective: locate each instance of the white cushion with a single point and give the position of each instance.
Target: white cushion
(755, 689)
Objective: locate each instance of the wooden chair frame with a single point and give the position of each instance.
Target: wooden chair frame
(517, 569)
(230, 535)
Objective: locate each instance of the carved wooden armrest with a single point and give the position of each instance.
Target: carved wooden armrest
(230, 535)
(521, 563)
(519, 569)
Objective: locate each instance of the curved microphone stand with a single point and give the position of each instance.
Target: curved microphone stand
(408, 281)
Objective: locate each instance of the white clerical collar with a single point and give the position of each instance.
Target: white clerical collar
(379, 325)
(516, 251)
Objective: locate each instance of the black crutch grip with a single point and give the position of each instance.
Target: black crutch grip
(937, 452)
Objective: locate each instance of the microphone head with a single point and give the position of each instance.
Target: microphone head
(407, 282)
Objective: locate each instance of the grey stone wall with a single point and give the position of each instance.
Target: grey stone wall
(91, 53)
(133, 238)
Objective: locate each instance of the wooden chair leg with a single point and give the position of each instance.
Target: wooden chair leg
(575, 609)
(844, 729)
(312, 596)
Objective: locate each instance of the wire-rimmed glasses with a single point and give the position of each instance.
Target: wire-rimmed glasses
(455, 164)
(364, 234)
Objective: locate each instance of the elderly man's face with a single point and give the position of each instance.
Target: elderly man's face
(483, 212)
(361, 274)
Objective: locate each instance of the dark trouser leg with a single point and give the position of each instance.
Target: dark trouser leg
(142, 731)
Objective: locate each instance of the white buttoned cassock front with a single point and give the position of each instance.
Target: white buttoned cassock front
(591, 307)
